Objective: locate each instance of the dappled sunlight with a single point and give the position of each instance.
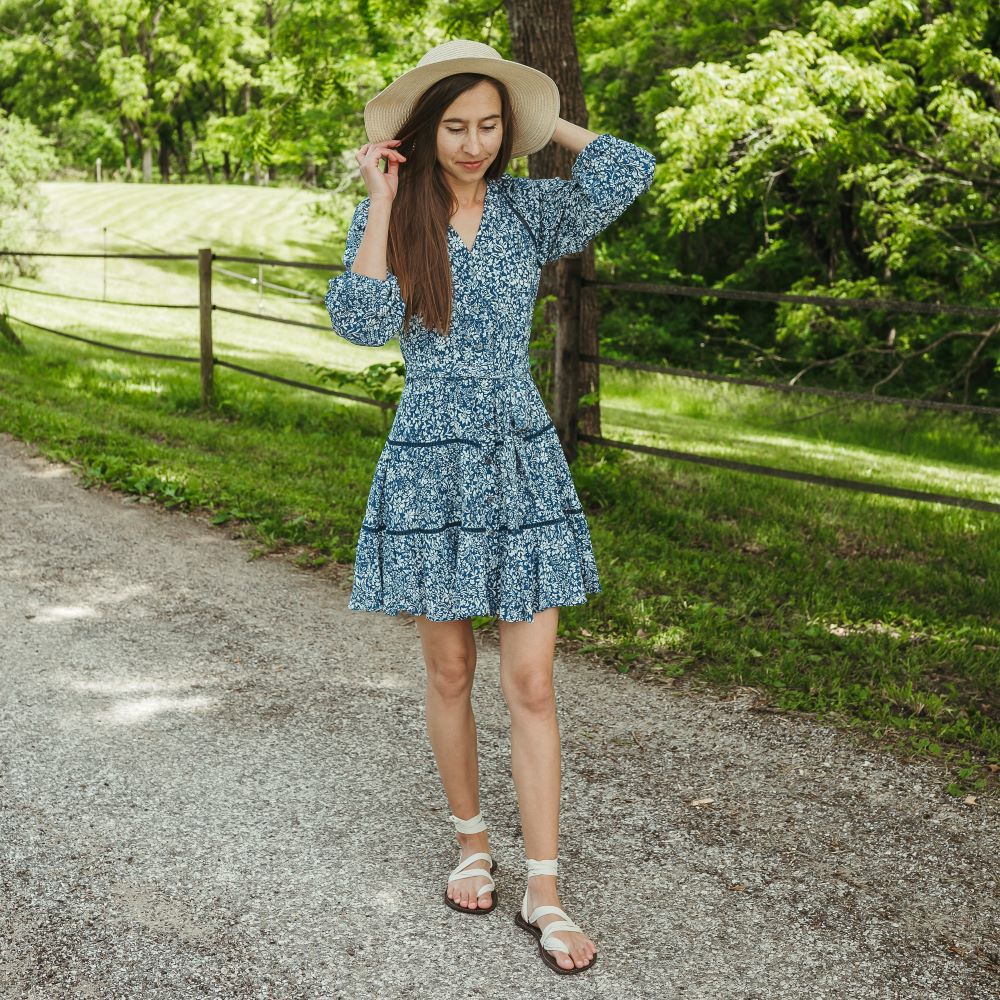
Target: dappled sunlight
(95, 595)
(142, 709)
(819, 456)
(127, 686)
(386, 682)
(49, 472)
(49, 614)
(111, 366)
(671, 637)
(902, 633)
(388, 901)
(132, 387)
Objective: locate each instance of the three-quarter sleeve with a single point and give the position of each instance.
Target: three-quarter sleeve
(608, 175)
(364, 310)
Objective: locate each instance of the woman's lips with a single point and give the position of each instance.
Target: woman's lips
(472, 166)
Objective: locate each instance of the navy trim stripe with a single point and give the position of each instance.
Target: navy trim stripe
(541, 430)
(458, 524)
(429, 444)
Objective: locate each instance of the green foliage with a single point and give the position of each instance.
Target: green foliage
(382, 381)
(26, 156)
(844, 148)
(871, 145)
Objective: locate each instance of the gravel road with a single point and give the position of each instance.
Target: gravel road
(215, 781)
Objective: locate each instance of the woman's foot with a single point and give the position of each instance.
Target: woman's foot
(542, 892)
(463, 891)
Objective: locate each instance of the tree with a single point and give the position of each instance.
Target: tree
(26, 156)
(868, 148)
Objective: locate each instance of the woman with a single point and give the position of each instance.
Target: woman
(472, 508)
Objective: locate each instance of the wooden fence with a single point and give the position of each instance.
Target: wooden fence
(566, 355)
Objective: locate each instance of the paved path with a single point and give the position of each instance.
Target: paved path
(215, 782)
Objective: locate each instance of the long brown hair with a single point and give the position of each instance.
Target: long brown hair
(417, 250)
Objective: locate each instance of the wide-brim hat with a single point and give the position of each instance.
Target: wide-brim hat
(534, 96)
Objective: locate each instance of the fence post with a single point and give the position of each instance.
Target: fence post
(205, 314)
(567, 354)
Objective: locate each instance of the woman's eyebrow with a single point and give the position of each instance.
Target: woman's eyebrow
(462, 121)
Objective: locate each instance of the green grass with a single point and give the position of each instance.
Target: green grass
(874, 613)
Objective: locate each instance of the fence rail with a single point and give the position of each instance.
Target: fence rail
(689, 373)
(208, 360)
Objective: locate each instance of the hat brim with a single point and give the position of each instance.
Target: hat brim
(534, 99)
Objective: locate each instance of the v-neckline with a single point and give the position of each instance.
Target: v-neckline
(482, 220)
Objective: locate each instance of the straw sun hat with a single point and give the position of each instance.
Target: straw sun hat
(534, 96)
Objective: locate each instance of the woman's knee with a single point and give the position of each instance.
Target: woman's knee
(450, 655)
(451, 676)
(529, 692)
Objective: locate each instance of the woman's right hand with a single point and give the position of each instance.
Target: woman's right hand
(369, 156)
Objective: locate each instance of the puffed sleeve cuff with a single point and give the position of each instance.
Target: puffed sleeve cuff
(613, 171)
(365, 310)
(608, 174)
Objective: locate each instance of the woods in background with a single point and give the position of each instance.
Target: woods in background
(845, 149)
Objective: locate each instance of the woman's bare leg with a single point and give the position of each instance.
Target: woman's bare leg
(449, 650)
(527, 650)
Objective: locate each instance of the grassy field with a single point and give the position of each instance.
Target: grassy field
(873, 613)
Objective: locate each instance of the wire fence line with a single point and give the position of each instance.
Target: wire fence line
(645, 287)
(196, 359)
(646, 366)
(703, 292)
(881, 489)
(648, 287)
(103, 343)
(865, 397)
(208, 361)
(105, 302)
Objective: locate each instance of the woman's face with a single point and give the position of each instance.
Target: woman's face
(469, 132)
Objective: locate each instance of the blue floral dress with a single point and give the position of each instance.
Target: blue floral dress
(472, 509)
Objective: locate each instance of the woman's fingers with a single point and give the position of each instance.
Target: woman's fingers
(373, 152)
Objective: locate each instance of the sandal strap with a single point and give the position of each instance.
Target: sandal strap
(474, 825)
(476, 873)
(546, 867)
(550, 943)
(541, 911)
(465, 862)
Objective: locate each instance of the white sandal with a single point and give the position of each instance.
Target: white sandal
(474, 825)
(546, 942)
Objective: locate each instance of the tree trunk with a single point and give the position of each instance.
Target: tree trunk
(208, 169)
(542, 36)
(163, 145)
(227, 167)
(182, 157)
(127, 127)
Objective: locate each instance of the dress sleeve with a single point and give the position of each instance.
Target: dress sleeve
(364, 310)
(608, 175)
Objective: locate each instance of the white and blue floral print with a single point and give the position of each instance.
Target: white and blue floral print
(472, 509)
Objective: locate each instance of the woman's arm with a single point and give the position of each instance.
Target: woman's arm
(364, 302)
(565, 214)
(371, 258)
(573, 137)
